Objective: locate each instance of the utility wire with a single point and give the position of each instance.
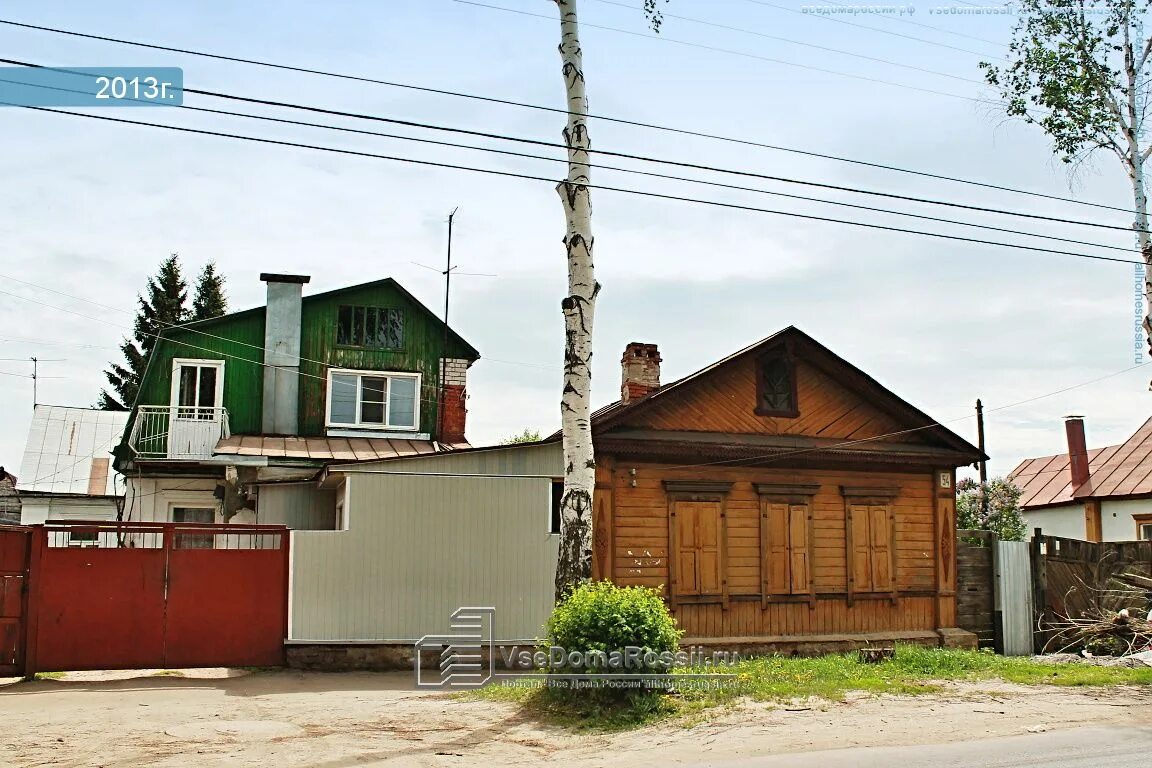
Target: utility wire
(754, 33)
(607, 188)
(607, 153)
(633, 171)
(559, 110)
(728, 51)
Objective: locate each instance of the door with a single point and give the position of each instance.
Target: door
(201, 515)
(196, 412)
(14, 554)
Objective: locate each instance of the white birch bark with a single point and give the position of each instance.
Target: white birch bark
(1135, 155)
(574, 563)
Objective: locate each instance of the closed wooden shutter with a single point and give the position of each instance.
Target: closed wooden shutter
(860, 555)
(787, 548)
(880, 538)
(798, 547)
(698, 548)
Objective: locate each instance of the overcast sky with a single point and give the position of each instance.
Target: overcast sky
(90, 208)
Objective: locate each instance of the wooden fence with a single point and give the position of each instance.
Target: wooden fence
(976, 585)
(994, 591)
(1068, 574)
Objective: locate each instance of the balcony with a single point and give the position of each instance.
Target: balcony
(177, 432)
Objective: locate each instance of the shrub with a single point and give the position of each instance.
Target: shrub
(602, 618)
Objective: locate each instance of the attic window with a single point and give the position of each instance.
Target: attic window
(776, 386)
(373, 327)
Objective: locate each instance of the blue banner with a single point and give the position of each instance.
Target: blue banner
(91, 87)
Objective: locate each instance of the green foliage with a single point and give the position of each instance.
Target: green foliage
(913, 670)
(1002, 514)
(164, 305)
(1066, 71)
(209, 300)
(527, 436)
(600, 616)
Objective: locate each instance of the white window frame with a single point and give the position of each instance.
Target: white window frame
(179, 362)
(371, 425)
(1140, 529)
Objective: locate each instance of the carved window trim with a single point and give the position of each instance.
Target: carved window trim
(785, 357)
(697, 490)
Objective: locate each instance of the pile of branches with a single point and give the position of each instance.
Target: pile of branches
(1113, 618)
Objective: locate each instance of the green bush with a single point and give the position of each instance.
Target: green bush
(602, 618)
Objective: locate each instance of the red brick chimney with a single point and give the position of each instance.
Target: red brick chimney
(453, 401)
(640, 371)
(1077, 450)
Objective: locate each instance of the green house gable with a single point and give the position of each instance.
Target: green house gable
(238, 340)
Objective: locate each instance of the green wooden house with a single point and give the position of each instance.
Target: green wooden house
(272, 395)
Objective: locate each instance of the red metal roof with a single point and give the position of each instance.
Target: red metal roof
(1118, 470)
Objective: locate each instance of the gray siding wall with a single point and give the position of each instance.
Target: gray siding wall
(416, 549)
(542, 460)
(300, 506)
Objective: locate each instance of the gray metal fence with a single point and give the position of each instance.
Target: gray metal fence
(1012, 565)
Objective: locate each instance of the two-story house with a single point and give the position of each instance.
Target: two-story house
(256, 403)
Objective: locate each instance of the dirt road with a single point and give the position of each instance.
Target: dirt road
(336, 720)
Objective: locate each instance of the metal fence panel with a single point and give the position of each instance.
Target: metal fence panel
(1014, 596)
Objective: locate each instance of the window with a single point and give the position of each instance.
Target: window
(1143, 527)
(870, 525)
(373, 399)
(697, 533)
(373, 327)
(776, 386)
(197, 388)
(201, 515)
(83, 539)
(786, 539)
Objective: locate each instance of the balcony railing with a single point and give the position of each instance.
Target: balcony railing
(177, 432)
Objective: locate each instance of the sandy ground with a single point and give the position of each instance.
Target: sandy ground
(230, 718)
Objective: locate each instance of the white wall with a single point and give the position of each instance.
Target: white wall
(1066, 521)
(151, 499)
(1116, 518)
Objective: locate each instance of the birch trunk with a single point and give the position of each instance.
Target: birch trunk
(574, 563)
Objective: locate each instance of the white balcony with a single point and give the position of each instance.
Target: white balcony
(177, 432)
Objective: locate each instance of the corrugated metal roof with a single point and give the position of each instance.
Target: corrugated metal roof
(327, 448)
(1118, 470)
(62, 444)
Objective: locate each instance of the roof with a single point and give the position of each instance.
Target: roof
(328, 448)
(816, 353)
(1113, 472)
(473, 354)
(62, 444)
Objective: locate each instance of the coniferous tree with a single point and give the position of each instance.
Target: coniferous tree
(164, 306)
(209, 300)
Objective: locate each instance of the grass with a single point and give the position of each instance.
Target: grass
(912, 671)
(50, 675)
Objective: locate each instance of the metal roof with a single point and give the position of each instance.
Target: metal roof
(62, 444)
(327, 448)
(1114, 471)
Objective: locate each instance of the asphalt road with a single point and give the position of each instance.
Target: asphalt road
(1110, 747)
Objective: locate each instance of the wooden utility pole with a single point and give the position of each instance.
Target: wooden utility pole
(983, 463)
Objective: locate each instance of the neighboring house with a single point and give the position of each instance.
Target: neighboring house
(9, 499)
(1100, 495)
(268, 397)
(779, 497)
(66, 473)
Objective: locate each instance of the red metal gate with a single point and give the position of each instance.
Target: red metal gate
(15, 550)
(157, 595)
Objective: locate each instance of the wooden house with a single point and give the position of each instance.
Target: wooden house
(779, 498)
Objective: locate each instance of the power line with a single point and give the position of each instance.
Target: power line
(741, 30)
(607, 188)
(608, 153)
(650, 174)
(717, 49)
(558, 110)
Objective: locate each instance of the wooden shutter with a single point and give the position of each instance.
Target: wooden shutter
(798, 548)
(860, 554)
(776, 566)
(698, 548)
(880, 541)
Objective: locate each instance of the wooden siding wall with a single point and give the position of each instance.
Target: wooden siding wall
(239, 341)
(416, 549)
(639, 554)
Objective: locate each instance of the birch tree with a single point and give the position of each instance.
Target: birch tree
(1079, 71)
(574, 561)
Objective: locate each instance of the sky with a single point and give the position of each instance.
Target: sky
(89, 208)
